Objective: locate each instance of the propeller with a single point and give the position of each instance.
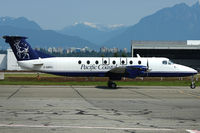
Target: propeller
(148, 69)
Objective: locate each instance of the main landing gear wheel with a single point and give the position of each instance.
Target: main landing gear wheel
(193, 85)
(112, 85)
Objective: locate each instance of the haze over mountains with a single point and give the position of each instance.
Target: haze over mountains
(180, 22)
(37, 36)
(96, 33)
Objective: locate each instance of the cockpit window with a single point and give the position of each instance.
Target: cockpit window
(170, 62)
(164, 62)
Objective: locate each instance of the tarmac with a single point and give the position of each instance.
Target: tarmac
(97, 109)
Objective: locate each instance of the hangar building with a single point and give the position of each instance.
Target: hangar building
(181, 52)
(9, 62)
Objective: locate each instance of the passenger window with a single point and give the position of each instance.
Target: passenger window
(164, 62)
(114, 62)
(97, 62)
(88, 62)
(123, 62)
(139, 62)
(79, 62)
(105, 62)
(131, 62)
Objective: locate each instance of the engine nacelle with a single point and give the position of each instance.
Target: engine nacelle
(135, 71)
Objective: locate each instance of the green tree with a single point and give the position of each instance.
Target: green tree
(116, 54)
(124, 54)
(102, 55)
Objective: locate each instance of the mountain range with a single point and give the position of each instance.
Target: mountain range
(39, 37)
(180, 22)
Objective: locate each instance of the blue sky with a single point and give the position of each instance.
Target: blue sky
(57, 14)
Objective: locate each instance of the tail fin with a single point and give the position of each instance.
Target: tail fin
(21, 48)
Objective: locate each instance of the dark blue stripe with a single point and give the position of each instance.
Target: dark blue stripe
(167, 74)
(103, 74)
(82, 74)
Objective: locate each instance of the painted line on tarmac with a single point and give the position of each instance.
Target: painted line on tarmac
(193, 131)
(15, 92)
(85, 127)
(182, 92)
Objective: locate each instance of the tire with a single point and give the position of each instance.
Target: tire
(113, 86)
(192, 86)
(109, 84)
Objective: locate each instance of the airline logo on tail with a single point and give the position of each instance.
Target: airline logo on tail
(22, 49)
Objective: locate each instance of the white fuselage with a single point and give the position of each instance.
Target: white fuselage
(97, 66)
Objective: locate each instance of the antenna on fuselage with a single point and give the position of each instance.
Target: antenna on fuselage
(138, 56)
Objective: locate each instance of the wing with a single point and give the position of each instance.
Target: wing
(127, 71)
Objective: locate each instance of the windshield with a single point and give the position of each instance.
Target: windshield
(170, 62)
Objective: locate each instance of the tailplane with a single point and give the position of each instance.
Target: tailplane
(21, 48)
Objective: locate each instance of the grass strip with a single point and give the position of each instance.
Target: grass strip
(119, 83)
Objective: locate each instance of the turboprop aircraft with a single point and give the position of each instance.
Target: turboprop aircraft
(113, 67)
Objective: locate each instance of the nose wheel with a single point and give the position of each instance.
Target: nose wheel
(112, 85)
(192, 85)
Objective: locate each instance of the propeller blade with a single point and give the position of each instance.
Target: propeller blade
(148, 69)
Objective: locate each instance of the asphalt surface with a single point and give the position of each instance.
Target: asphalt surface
(86, 109)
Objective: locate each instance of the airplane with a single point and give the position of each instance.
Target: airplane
(113, 67)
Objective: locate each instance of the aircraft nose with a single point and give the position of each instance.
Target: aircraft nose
(192, 71)
(188, 71)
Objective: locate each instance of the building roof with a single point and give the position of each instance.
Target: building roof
(166, 44)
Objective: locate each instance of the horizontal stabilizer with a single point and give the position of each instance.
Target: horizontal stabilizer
(38, 64)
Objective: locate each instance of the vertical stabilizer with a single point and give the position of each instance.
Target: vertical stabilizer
(21, 48)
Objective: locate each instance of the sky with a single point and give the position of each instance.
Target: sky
(57, 14)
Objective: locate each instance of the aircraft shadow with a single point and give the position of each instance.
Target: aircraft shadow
(125, 87)
(107, 88)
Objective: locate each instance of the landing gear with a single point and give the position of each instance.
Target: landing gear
(193, 85)
(112, 85)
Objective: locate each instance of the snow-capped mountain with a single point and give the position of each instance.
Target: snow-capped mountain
(37, 36)
(100, 27)
(96, 33)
